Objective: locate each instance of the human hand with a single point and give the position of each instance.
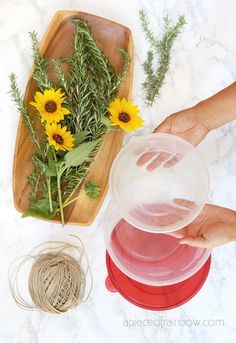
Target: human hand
(188, 124)
(213, 227)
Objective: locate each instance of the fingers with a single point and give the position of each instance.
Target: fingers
(165, 209)
(161, 215)
(181, 213)
(163, 156)
(163, 127)
(158, 129)
(178, 234)
(174, 234)
(143, 159)
(162, 220)
(185, 203)
(165, 220)
(198, 242)
(155, 220)
(173, 161)
(147, 156)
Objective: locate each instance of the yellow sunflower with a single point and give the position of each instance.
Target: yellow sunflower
(124, 113)
(49, 105)
(59, 137)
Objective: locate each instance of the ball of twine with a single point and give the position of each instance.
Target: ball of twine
(56, 281)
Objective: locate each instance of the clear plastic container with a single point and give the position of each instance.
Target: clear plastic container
(161, 199)
(151, 258)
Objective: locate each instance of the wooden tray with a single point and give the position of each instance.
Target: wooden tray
(56, 43)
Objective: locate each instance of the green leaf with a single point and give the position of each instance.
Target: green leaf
(106, 121)
(49, 172)
(79, 137)
(92, 190)
(50, 154)
(51, 169)
(41, 209)
(78, 155)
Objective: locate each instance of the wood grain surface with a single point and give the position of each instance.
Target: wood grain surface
(57, 43)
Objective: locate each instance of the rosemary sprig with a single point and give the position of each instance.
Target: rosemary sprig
(63, 81)
(162, 48)
(126, 57)
(17, 98)
(40, 74)
(89, 88)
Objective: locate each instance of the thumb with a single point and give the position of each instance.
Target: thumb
(178, 234)
(163, 127)
(198, 242)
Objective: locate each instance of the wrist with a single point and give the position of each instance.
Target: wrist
(219, 109)
(233, 227)
(202, 112)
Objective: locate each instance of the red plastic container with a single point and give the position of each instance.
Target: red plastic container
(145, 262)
(151, 270)
(156, 298)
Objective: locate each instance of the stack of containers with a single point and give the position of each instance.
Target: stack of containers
(159, 185)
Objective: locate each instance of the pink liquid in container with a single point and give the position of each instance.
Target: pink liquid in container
(145, 210)
(150, 258)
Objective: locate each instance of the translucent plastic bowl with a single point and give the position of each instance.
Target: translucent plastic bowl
(166, 198)
(147, 257)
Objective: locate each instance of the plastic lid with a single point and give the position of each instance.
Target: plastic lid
(150, 258)
(151, 196)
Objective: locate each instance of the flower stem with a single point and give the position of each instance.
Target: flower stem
(66, 203)
(60, 171)
(68, 200)
(49, 194)
(59, 196)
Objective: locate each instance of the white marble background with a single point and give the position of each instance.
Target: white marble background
(204, 61)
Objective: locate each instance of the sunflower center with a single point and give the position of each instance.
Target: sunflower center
(125, 117)
(58, 138)
(50, 106)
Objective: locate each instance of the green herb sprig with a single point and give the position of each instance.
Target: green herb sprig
(89, 88)
(40, 74)
(17, 98)
(92, 190)
(155, 71)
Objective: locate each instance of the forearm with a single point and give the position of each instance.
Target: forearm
(218, 109)
(233, 232)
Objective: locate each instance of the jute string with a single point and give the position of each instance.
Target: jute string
(57, 280)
